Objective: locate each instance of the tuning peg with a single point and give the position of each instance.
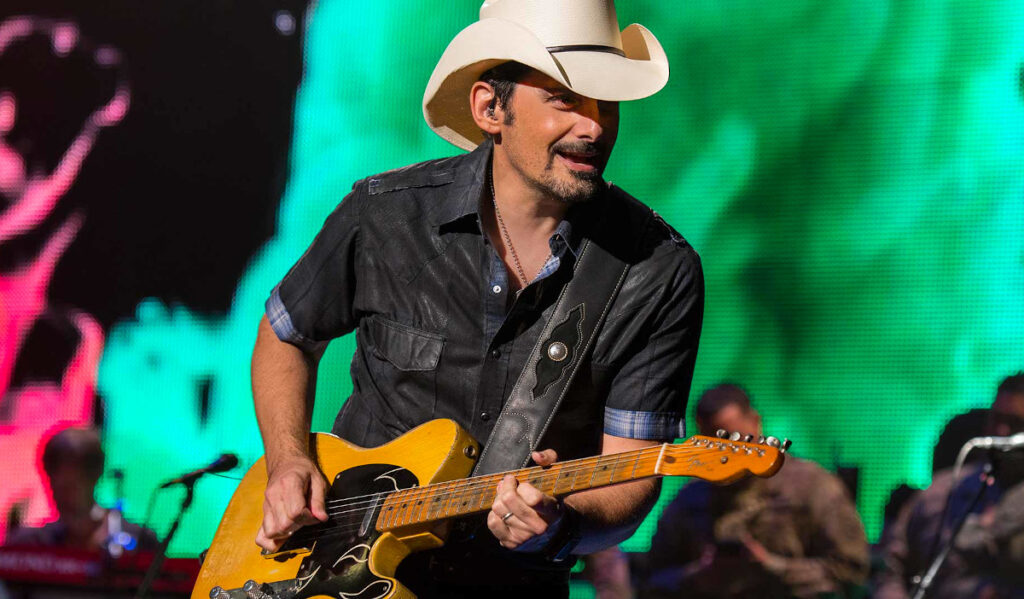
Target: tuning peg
(772, 442)
(785, 445)
(760, 440)
(735, 436)
(748, 438)
(721, 433)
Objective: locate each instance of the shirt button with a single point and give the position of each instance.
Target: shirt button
(485, 416)
(495, 353)
(496, 289)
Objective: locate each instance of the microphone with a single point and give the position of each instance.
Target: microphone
(225, 462)
(999, 443)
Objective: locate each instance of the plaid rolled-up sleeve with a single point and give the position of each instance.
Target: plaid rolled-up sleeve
(634, 424)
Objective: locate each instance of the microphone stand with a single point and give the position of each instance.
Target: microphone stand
(925, 582)
(161, 552)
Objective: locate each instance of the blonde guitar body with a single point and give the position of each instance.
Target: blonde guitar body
(365, 564)
(387, 502)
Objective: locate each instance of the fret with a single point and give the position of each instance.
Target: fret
(406, 501)
(451, 500)
(575, 474)
(420, 499)
(559, 486)
(604, 470)
(462, 497)
(475, 494)
(388, 512)
(617, 475)
(435, 503)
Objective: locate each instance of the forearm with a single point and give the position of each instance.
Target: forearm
(610, 515)
(283, 384)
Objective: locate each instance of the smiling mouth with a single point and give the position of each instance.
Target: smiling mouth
(580, 161)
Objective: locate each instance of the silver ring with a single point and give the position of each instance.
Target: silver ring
(506, 517)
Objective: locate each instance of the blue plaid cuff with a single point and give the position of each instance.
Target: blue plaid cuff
(281, 322)
(632, 424)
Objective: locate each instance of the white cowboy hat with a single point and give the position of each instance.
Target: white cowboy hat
(575, 42)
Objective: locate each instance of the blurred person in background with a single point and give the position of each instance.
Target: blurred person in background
(796, 534)
(73, 460)
(987, 559)
(608, 571)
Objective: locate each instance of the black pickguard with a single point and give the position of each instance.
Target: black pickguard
(339, 563)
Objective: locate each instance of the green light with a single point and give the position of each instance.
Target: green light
(850, 173)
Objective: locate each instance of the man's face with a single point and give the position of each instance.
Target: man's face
(1007, 415)
(558, 141)
(733, 419)
(72, 490)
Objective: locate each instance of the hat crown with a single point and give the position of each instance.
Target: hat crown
(561, 22)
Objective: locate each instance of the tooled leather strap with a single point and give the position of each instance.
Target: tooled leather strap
(563, 344)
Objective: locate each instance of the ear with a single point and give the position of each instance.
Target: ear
(486, 115)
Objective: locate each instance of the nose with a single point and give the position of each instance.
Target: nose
(596, 119)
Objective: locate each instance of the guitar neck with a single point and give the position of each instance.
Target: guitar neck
(467, 496)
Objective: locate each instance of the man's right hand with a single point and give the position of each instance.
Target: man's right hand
(294, 498)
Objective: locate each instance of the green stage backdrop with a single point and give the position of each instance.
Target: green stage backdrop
(850, 172)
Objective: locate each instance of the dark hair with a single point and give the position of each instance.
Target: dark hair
(720, 397)
(503, 78)
(79, 447)
(1012, 385)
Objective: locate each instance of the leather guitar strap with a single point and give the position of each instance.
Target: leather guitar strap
(563, 344)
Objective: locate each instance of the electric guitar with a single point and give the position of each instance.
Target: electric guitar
(387, 502)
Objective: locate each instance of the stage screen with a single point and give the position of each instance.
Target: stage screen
(850, 173)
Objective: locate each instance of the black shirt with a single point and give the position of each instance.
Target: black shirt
(404, 262)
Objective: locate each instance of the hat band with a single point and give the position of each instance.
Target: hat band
(586, 48)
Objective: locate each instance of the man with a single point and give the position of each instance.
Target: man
(987, 559)
(796, 534)
(448, 270)
(73, 461)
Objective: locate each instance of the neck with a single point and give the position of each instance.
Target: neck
(441, 501)
(519, 220)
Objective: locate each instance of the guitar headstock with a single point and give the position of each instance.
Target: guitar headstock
(725, 458)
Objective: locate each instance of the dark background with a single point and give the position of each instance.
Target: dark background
(202, 150)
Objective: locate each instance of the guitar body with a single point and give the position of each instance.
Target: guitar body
(354, 560)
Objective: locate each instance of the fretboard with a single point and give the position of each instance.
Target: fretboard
(467, 496)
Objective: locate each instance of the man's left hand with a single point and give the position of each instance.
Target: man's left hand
(521, 512)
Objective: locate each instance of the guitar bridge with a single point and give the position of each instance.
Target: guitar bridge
(285, 553)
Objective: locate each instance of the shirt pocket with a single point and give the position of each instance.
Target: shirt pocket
(401, 374)
(408, 349)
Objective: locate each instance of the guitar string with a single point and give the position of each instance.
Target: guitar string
(318, 532)
(565, 466)
(488, 482)
(340, 529)
(460, 486)
(414, 493)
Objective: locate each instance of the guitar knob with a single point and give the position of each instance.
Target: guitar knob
(772, 442)
(255, 591)
(721, 433)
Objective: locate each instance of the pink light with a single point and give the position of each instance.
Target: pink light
(40, 409)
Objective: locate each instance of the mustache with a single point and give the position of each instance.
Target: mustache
(584, 148)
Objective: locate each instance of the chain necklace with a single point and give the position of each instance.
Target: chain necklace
(508, 239)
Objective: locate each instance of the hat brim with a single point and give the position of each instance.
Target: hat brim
(488, 42)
